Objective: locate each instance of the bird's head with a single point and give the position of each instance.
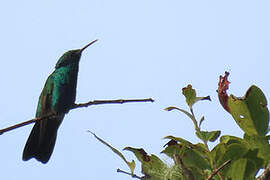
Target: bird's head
(72, 56)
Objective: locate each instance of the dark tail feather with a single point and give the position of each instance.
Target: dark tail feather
(42, 139)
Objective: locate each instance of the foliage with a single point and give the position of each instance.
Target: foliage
(233, 158)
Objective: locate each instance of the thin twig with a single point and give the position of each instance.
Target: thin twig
(95, 102)
(132, 175)
(218, 169)
(266, 174)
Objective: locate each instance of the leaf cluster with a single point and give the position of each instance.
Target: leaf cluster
(233, 158)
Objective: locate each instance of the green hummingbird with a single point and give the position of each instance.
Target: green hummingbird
(57, 97)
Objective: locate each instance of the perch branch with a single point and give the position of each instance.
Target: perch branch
(95, 102)
(118, 101)
(2, 131)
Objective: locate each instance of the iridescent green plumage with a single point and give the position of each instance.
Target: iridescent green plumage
(57, 97)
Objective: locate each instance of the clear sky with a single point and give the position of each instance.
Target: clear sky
(146, 49)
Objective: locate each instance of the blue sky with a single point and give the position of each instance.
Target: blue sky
(145, 49)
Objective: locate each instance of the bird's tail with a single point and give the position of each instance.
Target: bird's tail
(42, 139)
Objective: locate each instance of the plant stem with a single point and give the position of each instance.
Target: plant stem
(197, 128)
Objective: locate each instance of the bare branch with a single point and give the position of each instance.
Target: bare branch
(218, 169)
(118, 101)
(132, 175)
(95, 102)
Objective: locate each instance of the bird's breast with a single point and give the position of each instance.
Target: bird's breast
(64, 93)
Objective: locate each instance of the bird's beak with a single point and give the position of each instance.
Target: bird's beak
(92, 42)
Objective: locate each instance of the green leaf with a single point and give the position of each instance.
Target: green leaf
(131, 164)
(234, 148)
(191, 97)
(227, 139)
(201, 120)
(237, 169)
(195, 161)
(258, 162)
(261, 143)
(208, 135)
(193, 158)
(185, 112)
(217, 153)
(200, 148)
(242, 169)
(140, 154)
(222, 153)
(251, 169)
(233, 152)
(181, 110)
(154, 168)
(181, 140)
(250, 112)
(172, 150)
(192, 155)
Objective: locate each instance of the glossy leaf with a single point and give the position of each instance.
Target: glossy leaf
(258, 162)
(170, 108)
(232, 139)
(250, 112)
(242, 169)
(208, 135)
(261, 143)
(199, 147)
(234, 151)
(192, 156)
(172, 150)
(181, 140)
(155, 169)
(191, 97)
(237, 169)
(217, 153)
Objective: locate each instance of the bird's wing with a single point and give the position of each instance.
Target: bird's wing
(42, 138)
(45, 98)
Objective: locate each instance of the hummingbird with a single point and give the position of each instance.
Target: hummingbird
(57, 98)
